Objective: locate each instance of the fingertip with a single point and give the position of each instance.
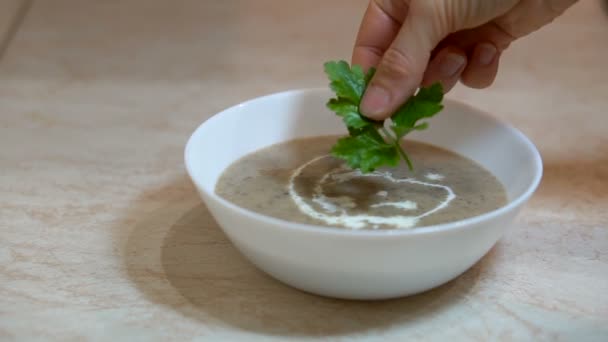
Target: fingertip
(396, 79)
(485, 54)
(375, 102)
(483, 66)
(446, 67)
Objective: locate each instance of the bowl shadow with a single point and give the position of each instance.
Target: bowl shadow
(178, 257)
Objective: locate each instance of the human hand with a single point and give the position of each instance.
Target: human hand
(419, 42)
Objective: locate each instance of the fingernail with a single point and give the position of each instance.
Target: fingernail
(486, 53)
(451, 64)
(374, 102)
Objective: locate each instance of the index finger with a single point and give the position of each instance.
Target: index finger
(379, 27)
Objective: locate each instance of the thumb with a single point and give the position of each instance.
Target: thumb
(402, 66)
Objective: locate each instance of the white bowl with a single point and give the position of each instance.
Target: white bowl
(358, 264)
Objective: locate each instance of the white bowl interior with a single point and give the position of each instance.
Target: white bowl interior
(272, 119)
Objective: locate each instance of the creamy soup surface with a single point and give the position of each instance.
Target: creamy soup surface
(298, 181)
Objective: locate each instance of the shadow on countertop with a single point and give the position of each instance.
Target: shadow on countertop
(177, 256)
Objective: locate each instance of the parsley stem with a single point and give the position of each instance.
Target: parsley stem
(388, 134)
(405, 157)
(395, 141)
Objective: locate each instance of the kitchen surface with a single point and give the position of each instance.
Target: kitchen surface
(103, 237)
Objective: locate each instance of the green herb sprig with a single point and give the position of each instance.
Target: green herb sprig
(370, 144)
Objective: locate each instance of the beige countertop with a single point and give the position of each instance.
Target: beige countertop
(103, 237)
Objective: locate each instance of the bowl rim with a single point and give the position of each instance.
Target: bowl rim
(312, 228)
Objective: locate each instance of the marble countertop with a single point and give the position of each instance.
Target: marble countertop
(102, 235)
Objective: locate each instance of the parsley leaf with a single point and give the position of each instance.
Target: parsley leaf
(369, 144)
(426, 103)
(349, 112)
(366, 150)
(348, 83)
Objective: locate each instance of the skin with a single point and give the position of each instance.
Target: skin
(419, 42)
